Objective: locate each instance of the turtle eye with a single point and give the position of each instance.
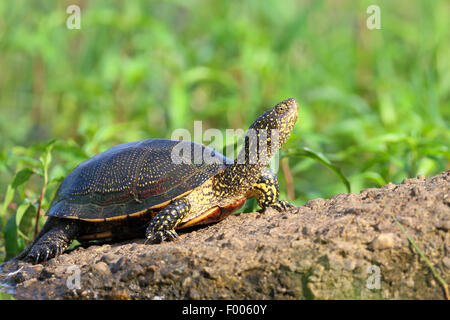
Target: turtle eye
(281, 108)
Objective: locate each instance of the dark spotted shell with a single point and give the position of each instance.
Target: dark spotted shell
(133, 177)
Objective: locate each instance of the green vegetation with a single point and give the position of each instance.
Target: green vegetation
(374, 104)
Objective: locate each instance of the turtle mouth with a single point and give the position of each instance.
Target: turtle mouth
(280, 118)
(291, 114)
(288, 119)
(292, 104)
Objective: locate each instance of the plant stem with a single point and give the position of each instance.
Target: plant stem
(44, 188)
(288, 178)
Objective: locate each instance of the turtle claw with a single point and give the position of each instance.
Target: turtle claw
(58, 250)
(282, 206)
(173, 234)
(35, 258)
(44, 253)
(160, 236)
(51, 242)
(163, 225)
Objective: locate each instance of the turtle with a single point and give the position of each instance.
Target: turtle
(152, 188)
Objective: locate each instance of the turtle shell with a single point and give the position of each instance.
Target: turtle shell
(131, 178)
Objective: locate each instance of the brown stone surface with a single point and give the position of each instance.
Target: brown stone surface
(323, 250)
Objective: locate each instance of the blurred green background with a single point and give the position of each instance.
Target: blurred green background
(374, 102)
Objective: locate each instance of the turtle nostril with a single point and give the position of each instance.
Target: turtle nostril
(293, 103)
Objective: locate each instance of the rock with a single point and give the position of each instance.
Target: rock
(110, 258)
(119, 295)
(328, 249)
(446, 262)
(383, 241)
(101, 268)
(119, 264)
(193, 294)
(349, 264)
(443, 224)
(21, 277)
(45, 274)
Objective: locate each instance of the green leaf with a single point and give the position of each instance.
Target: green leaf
(46, 156)
(426, 166)
(27, 220)
(71, 150)
(8, 198)
(21, 159)
(10, 235)
(39, 171)
(74, 244)
(21, 177)
(56, 180)
(250, 206)
(42, 147)
(374, 176)
(308, 153)
(21, 211)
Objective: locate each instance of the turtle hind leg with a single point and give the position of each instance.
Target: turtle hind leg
(162, 226)
(267, 192)
(56, 236)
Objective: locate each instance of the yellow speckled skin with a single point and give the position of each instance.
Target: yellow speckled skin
(148, 195)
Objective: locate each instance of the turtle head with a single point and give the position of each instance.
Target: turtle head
(277, 122)
(264, 137)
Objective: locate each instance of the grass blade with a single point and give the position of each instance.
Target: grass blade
(318, 156)
(428, 262)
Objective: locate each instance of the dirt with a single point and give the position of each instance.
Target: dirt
(347, 247)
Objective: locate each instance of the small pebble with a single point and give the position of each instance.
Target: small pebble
(101, 268)
(110, 258)
(410, 283)
(349, 264)
(21, 277)
(45, 274)
(390, 186)
(193, 294)
(446, 262)
(186, 282)
(383, 241)
(443, 224)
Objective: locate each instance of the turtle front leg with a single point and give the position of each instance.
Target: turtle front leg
(162, 226)
(266, 191)
(55, 237)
